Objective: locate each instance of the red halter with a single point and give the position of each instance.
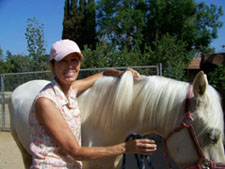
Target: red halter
(203, 162)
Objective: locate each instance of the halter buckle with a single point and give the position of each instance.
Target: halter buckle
(205, 164)
(188, 120)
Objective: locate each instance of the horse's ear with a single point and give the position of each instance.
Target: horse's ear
(199, 84)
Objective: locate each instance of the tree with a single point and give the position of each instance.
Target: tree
(35, 43)
(217, 77)
(217, 80)
(142, 32)
(143, 22)
(1, 61)
(79, 22)
(73, 22)
(207, 23)
(8, 54)
(1, 55)
(18, 63)
(106, 56)
(120, 22)
(172, 53)
(89, 29)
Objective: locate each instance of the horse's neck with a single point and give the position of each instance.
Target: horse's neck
(159, 105)
(156, 108)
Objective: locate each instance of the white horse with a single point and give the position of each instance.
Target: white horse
(115, 107)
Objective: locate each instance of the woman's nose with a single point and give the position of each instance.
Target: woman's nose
(70, 64)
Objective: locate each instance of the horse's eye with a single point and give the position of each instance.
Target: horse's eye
(214, 135)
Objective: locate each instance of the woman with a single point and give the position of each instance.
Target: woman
(55, 117)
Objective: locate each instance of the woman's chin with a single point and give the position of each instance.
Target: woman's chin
(70, 79)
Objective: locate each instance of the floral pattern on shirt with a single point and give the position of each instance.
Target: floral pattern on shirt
(46, 152)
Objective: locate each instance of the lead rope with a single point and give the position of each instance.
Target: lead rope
(139, 158)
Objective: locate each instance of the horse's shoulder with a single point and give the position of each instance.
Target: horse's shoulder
(30, 87)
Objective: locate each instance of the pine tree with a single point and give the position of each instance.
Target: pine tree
(90, 25)
(79, 22)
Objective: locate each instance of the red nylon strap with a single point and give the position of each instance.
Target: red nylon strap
(186, 123)
(177, 129)
(198, 166)
(203, 163)
(196, 143)
(215, 165)
(166, 154)
(208, 164)
(191, 129)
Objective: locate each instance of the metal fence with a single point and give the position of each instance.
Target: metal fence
(9, 81)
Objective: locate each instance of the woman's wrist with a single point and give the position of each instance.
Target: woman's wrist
(120, 148)
(134, 72)
(118, 73)
(112, 72)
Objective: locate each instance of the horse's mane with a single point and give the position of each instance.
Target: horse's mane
(109, 102)
(160, 95)
(110, 105)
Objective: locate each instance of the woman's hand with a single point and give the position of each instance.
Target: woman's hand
(114, 72)
(134, 72)
(141, 146)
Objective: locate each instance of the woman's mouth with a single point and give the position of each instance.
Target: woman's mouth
(69, 74)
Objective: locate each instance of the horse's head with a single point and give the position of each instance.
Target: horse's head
(208, 126)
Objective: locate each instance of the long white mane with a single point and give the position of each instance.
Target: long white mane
(108, 94)
(149, 99)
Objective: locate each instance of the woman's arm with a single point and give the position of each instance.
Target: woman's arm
(81, 85)
(51, 118)
(139, 146)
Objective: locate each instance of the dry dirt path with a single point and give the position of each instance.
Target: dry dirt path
(10, 157)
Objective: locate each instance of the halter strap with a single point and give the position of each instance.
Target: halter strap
(186, 123)
(140, 159)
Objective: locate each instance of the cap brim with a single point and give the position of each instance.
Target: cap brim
(66, 54)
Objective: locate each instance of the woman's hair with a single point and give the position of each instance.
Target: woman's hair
(51, 65)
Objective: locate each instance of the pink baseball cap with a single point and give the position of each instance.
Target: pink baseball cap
(62, 48)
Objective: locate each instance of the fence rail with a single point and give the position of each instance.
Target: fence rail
(9, 81)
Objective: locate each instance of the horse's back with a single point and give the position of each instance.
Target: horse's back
(20, 103)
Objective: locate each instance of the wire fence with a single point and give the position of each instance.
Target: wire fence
(9, 81)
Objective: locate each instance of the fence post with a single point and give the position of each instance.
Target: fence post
(3, 101)
(160, 69)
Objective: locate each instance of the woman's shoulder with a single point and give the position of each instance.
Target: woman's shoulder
(47, 89)
(46, 92)
(46, 97)
(43, 101)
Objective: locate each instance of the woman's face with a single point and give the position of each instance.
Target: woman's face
(66, 71)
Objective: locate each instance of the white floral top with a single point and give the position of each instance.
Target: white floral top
(46, 153)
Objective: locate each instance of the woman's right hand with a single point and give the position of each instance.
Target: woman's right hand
(141, 146)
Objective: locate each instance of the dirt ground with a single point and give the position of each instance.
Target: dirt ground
(10, 157)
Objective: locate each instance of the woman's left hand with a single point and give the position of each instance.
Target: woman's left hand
(134, 72)
(114, 72)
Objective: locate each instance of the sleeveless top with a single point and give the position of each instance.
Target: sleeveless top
(46, 152)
